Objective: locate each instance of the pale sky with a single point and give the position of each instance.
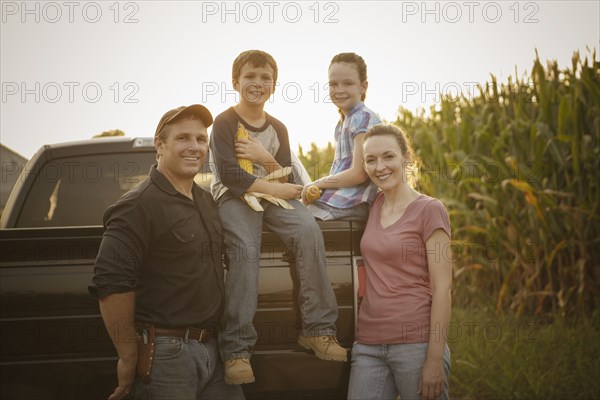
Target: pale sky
(70, 70)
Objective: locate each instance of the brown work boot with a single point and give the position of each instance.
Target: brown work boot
(238, 371)
(325, 347)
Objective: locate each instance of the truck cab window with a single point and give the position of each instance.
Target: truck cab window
(77, 191)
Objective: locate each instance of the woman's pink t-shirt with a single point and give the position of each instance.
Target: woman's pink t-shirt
(396, 307)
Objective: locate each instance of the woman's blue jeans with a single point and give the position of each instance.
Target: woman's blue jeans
(384, 371)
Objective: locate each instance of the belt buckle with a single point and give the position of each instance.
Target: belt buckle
(187, 334)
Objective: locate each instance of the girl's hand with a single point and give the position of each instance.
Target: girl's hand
(432, 380)
(253, 150)
(310, 193)
(303, 195)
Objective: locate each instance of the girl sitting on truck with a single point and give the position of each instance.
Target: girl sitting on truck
(347, 191)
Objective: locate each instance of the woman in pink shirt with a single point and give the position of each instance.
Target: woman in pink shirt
(400, 346)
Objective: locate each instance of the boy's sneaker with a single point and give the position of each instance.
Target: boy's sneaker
(325, 347)
(238, 371)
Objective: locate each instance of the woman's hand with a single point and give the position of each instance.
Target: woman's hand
(432, 379)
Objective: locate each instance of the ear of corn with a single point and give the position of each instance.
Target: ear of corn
(252, 198)
(244, 163)
(312, 194)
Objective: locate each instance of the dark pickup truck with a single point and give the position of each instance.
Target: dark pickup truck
(53, 344)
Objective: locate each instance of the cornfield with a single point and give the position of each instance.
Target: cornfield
(518, 166)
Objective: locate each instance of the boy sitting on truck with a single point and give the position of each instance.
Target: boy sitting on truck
(237, 192)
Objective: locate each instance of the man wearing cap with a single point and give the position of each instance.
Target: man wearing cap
(159, 277)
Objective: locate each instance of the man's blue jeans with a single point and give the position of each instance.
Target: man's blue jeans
(384, 371)
(297, 228)
(186, 371)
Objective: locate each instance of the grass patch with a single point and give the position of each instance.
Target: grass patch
(505, 357)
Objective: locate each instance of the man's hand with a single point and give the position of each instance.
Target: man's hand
(126, 375)
(117, 311)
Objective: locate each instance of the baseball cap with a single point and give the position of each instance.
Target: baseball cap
(176, 113)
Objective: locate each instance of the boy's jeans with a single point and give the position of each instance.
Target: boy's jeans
(384, 371)
(297, 228)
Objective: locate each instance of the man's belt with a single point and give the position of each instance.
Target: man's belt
(201, 335)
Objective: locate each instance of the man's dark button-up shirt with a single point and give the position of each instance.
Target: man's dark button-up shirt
(167, 248)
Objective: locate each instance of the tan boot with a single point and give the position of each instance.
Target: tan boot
(325, 347)
(238, 371)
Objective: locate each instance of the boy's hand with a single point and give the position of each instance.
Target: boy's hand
(303, 195)
(253, 150)
(287, 191)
